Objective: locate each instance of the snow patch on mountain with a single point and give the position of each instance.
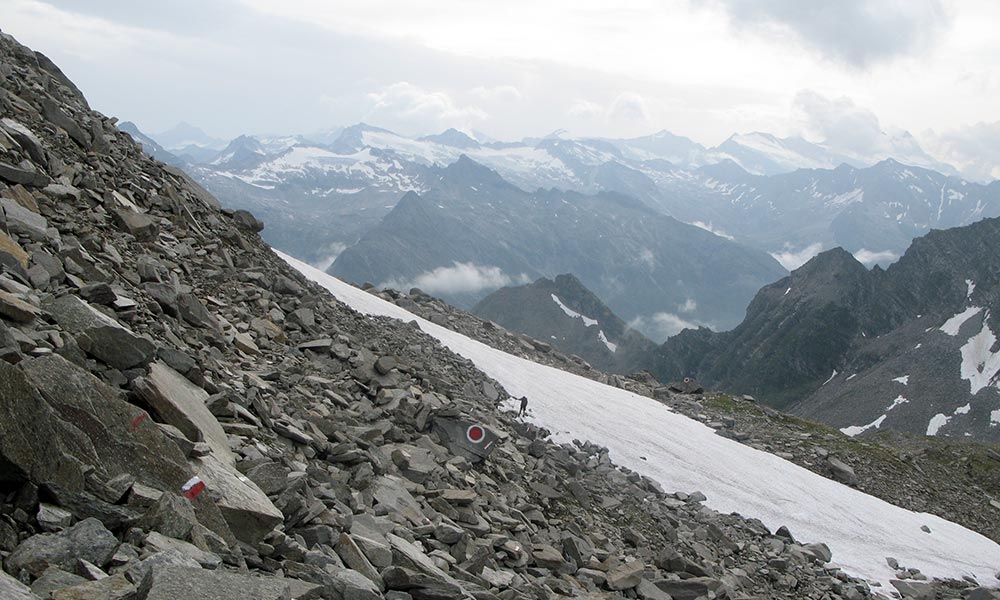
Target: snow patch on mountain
(572, 313)
(952, 325)
(980, 363)
(936, 423)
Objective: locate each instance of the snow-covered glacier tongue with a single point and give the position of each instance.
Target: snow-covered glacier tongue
(684, 455)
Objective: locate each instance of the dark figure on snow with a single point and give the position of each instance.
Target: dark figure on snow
(524, 406)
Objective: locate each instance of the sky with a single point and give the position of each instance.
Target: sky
(845, 70)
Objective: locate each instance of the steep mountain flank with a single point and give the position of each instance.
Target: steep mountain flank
(911, 347)
(642, 264)
(564, 313)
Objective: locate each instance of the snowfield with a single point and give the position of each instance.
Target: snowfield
(684, 455)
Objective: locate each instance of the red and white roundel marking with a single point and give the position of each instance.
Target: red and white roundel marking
(475, 434)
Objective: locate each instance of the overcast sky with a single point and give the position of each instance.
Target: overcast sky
(513, 68)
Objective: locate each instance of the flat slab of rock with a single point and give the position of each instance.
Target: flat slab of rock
(247, 509)
(99, 335)
(15, 309)
(12, 589)
(176, 583)
(124, 440)
(116, 587)
(182, 404)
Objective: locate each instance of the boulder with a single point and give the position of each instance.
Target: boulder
(841, 471)
(54, 579)
(12, 589)
(143, 227)
(13, 174)
(22, 221)
(247, 510)
(87, 540)
(181, 403)
(175, 583)
(352, 585)
(9, 246)
(122, 440)
(626, 575)
(15, 309)
(245, 218)
(99, 335)
(193, 311)
(116, 587)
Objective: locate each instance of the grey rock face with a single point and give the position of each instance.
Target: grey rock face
(99, 335)
(87, 540)
(172, 583)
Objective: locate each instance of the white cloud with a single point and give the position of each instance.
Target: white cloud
(333, 250)
(406, 102)
(708, 227)
(868, 257)
(585, 109)
(688, 306)
(840, 123)
(792, 259)
(500, 93)
(460, 278)
(623, 108)
(662, 325)
(974, 149)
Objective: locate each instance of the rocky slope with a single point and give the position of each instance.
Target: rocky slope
(184, 416)
(910, 348)
(474, 232)
(956, 479)
(564, 313)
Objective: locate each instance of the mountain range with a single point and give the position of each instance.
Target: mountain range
(912, 347)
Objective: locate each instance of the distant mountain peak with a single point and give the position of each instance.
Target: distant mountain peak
(452, 137)
(467, 171)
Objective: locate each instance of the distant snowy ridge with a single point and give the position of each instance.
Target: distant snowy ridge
(685, 455)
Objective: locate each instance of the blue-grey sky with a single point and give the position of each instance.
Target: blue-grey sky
(700, 68)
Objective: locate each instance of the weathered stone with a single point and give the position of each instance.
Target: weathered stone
(841, 471)
(626, 575)
(247, 510)
(99, 335)
(390, 492)
(121, 439)
(546, 556)
(354, 558)
(182, 404)
(171, 515)
(22, 221)
(647, 591)
(245, 343)
(116, 587)
(910, 590)
(15, 309)
(192, 310)
(52, 518)
(157, 542)
(174, 583)
(688, 589)
(246, 219)
(12, 589)
(13, 174)
(143, 227)
(14, 249)
(88, 540)
(352, 585)
(54, 579)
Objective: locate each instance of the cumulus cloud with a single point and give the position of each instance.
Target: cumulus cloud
(460, 278)
(792, 259)
(974, 149)
(500, 93)
(688, 306)
(708, 227)
(625, 107)
(405, 101)
(839, 122)
(333, 250)
(855, 32)
(869, 257)
(662, 325)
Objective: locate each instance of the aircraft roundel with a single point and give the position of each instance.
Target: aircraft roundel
(475, 434)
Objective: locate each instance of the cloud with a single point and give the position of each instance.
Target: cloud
(408, 103)
(708, 227)
(854, 32)
(688, 306)
(625, 107)
(500, 93)
(333, 250)
(793, 259)
(460, 278)
(974, 149)
(840, 123)
(868, 257)
(662, 325)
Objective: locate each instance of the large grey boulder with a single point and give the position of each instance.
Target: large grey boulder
(115, 587)
(247, 509)
(35, 444)
(99, 335)
(22, 221)
(841, 471)
(352, 585)
(124, 440)
(87, 540)
(182, 404)
(174, 583)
